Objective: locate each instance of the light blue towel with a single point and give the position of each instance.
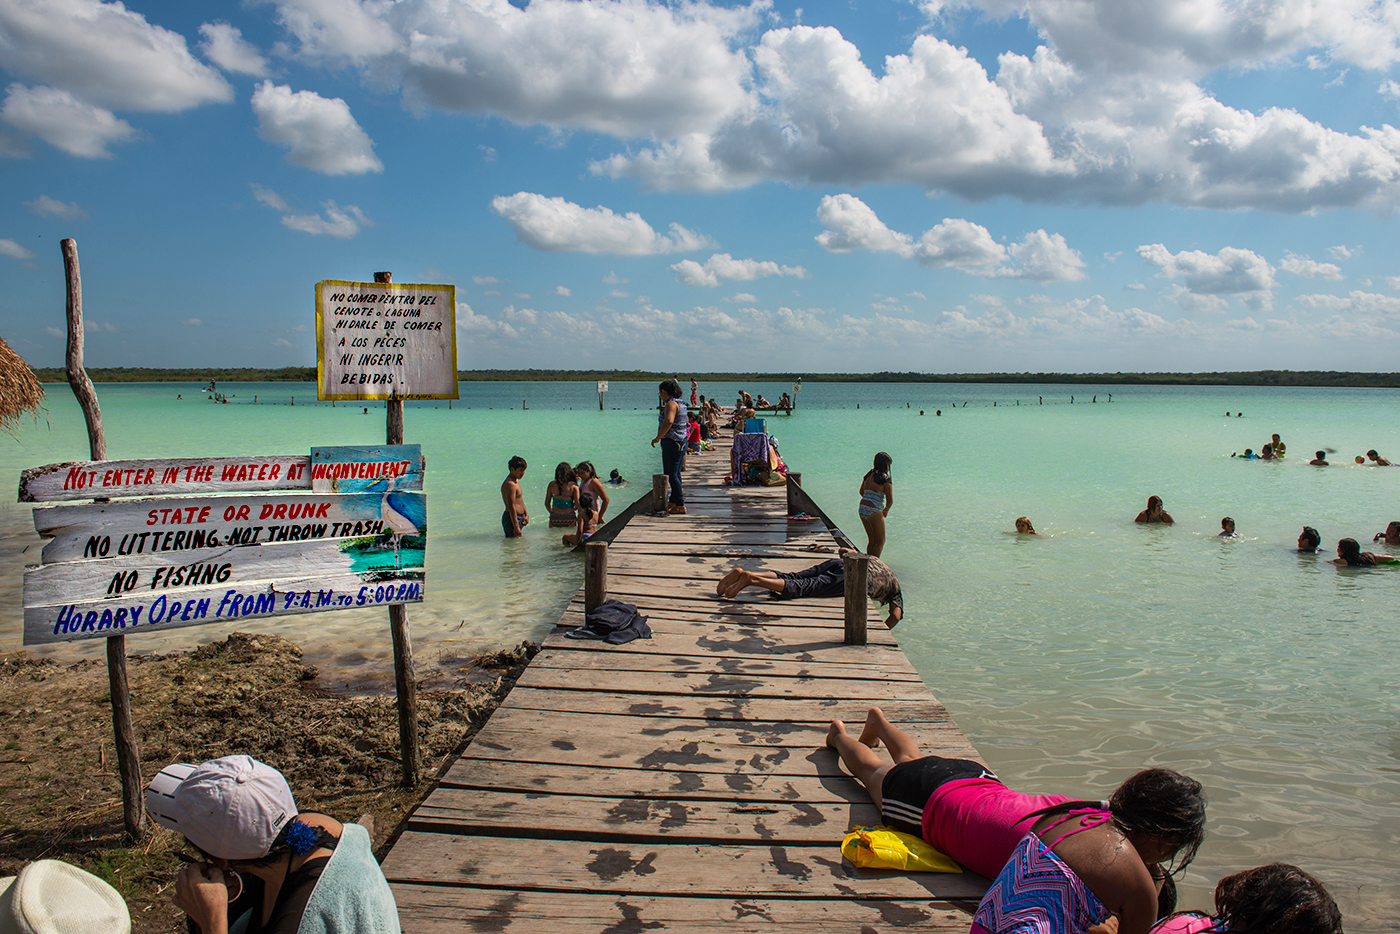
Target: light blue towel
(352, 895)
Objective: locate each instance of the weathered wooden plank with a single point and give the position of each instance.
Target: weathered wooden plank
(619, 818)
(721, 684)
(649, 868)
(663, 665)
(430, 909)
(908, 715)
(552, 778)
(164, 477)
(807, 643)
(105, 531)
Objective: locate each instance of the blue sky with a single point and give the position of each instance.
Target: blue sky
(1068, 185)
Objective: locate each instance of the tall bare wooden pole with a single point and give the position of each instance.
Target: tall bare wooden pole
(406, 687)
(128, 754)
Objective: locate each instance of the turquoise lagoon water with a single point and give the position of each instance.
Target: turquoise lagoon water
(1070, 659)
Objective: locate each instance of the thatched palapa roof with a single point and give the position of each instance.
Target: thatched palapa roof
(20, 390)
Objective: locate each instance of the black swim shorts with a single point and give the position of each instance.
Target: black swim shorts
(907, 787)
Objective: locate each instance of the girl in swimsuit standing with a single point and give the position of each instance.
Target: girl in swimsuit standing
(561, 497)
(876, 498)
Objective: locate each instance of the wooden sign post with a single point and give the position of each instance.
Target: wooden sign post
(602, 388)
(389, 341)
(124, 735)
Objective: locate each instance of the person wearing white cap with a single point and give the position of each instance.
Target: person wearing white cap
(305, 873)
(52, 897)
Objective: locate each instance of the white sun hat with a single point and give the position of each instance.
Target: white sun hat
(231, 808)
(52, 897)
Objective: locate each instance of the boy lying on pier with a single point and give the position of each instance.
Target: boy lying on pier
(827, 579)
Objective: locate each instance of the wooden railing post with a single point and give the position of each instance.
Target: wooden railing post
(595, 575)
(658, 492)
(794, 489)
(857, 567)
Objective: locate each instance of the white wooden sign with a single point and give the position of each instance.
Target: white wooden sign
(147, 564)
(169, 477)
(376, 340)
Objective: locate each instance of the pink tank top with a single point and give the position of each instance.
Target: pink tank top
(974, 820)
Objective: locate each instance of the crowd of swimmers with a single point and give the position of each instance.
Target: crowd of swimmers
(1275, 449)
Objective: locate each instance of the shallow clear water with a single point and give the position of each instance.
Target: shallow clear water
(1070, 659)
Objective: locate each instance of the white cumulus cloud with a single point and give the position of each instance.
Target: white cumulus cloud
(320, 132)
(1232, 271)
(336, 221)
(1309, 268)
(225, 46)
(63, 121)
(105, 54)
(10, 248)
(555, 224)
(954, 243)
(45, 206)
(721, 267)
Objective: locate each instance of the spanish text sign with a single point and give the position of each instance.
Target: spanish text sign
(376, 340)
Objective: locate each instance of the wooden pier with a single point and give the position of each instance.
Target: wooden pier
(681, 783)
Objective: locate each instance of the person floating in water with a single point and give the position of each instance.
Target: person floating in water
(1349, 554)
(1309, 541)
(1279, 447)
(1227, 528)
(1154, 513)
(516, 516)
(1320, 460)
(1377, 459)
(1023, 527)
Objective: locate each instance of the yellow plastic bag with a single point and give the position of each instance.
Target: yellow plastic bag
(883, 848)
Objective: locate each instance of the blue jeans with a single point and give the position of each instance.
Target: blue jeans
(671, 453)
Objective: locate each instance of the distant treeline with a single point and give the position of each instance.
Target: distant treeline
(307, 374)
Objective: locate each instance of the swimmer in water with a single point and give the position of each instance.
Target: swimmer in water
(1309, 541)
(1349, 554)
(1023, 527)
(1377, 459)
(1227, 528)
(1320, 460)
(1391, 534)
(1279, 448)
(1154, 514)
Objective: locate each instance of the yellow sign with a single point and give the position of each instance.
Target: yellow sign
(378, 340)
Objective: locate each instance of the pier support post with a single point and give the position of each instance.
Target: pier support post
(857, 568)
(658, 492)
(794, 488)
(595, 575)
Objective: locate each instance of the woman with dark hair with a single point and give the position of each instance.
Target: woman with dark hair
(588, 481)
(1273, 899)
(1154, 512)
(561, 497)
(1350, 555)
(671, 433)
(876, 498)
(1101, 857)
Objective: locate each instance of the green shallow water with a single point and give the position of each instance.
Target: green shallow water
(1070, 659)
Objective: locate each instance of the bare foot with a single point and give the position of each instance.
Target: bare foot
(726, 581)
(871, 734)
(837, 729)
(740, 580)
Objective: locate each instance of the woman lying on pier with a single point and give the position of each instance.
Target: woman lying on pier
(1093, 858)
